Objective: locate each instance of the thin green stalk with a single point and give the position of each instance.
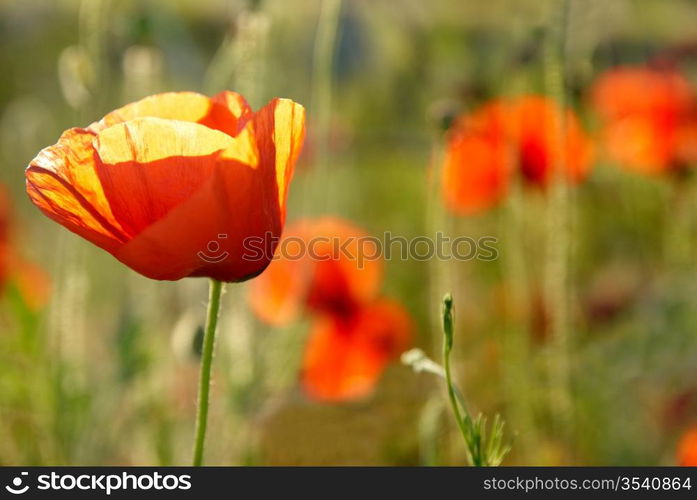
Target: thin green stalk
(204, 385)
(70, 366)
(440, 278)
(678, 238)
(485, 445)
(322, 75)
(430, 417)
(558, 237)
(518, 378)
(483, 450)
(240, 62)
(464, 422)
(323, 60)
(452, 395)
(93, 19)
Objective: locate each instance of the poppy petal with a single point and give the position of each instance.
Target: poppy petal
(225, 105)
(327, 264)
(345, 358)
(62, 181)
(580, 150)
(639, 143)
(176, 184)
(33, 283)
(209, 235)
(276, 295)
(546, 136)
(475, 174)
(4, 235)
(356, 259)
(640, 90)
(213, 226)
(645, 111)
(687, 449)
(226, 112)
(5, 215)
(148, 166)
(280, 131)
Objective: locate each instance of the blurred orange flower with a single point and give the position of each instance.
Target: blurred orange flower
(31, 281)
(345, 355)
(4, 236)
(313, 274)
(328, 268)
(158, 182)
(529, 135)
(687, 449)
(650, 118)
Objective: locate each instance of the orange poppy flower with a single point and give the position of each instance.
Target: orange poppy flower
(649, 118)
(318, 268)
(4, 236)
(31, 281)
(172, 185)
(345, 356)
(528, 134)
(546, 137)
(687, 449)
(476, 170)
(327, 268)
(475, 174)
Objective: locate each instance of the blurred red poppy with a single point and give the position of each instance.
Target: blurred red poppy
(529, 135)
(313, 272)
(649, 118)
(687, 449)
(31, 281)
(328, 268)
(345, 355)
(4, 236)
(160, 182)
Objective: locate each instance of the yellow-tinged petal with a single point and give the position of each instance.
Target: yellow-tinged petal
(226, 112)
(234, 103)
(63, 183)
(279, 128)
(146, 140)
(184, 106)
(288, 134)
(148, 166)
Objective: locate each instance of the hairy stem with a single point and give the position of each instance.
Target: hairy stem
(204, 385)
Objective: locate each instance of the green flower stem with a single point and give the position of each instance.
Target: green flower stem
(464, 422)
(559, 232)
(204, 385)
(323, 60)
(454, 400)
(678, 240)
(322, 98)
(485, 446)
